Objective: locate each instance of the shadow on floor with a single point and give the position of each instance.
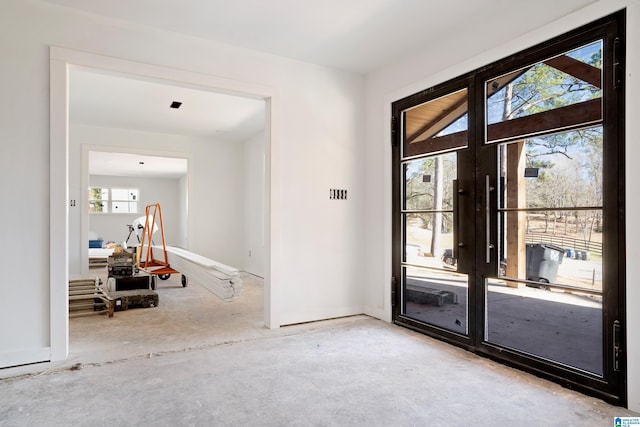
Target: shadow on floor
(550, 325)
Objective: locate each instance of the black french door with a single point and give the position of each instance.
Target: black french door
(508, 210)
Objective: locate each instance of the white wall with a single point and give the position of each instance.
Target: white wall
(230, 194)
(439, 63)
(216, 194)
(315, 265)
(113, 226)
(632, 157)
(254, 215)
(183, 212)
(320, 260)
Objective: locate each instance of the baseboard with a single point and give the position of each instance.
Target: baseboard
(24, 357)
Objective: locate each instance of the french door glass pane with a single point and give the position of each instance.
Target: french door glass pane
(558, 326)
(436, 297)
(569, 86)
(428, 182)
(555, 247)
(563, 170)
(423, 246)
(437, 125)
(546, 186)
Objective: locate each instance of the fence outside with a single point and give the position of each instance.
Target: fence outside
(594, 248)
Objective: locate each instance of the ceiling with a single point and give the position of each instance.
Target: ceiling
(111, 100)
(355, 35)
(136, 165)
(108, 100)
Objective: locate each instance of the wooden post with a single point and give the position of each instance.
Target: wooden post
(515, 226)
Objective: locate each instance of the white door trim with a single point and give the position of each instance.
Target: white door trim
(61, 59)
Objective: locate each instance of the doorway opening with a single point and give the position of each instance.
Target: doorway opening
(64, 169)
(129, 154)
(120, 185)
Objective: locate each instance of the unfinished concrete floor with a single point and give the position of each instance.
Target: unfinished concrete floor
(195, 360)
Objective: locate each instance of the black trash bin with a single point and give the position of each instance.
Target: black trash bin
(543, 261)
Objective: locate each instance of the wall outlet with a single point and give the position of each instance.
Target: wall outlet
(337, 194)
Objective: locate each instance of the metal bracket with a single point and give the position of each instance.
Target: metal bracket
(394, 131)
(616, 346)
(617, 65)
(394, 283)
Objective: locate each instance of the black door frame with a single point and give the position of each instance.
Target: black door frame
(612, 387)
(466, 160)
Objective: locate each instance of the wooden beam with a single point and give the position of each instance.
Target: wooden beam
(578, 69)
(453, 113)
(439, 143)
(573, 115)
(516, 190)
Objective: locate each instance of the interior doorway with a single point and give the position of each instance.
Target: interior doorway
(508, 231)
(62, 61)
(129, 153)
(120, 185)
(220, 135)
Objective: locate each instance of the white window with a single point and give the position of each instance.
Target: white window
(115, 200)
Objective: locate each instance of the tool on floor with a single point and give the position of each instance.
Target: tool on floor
(121, 264)
(124, 274)
(123, 300)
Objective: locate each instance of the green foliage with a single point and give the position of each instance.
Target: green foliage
(95, 194)
(569, 162)
(541, 87)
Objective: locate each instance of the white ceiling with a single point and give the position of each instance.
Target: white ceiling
(108, 100)
(356, 35)
(136, 165)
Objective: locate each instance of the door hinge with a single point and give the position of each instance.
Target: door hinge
(617, 63)
(616, 346)
(394, 283)
(394, 131)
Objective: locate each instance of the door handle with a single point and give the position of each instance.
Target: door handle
(487, 197)
(456, 220)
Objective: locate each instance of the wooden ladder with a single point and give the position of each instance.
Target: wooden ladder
(151, 264)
